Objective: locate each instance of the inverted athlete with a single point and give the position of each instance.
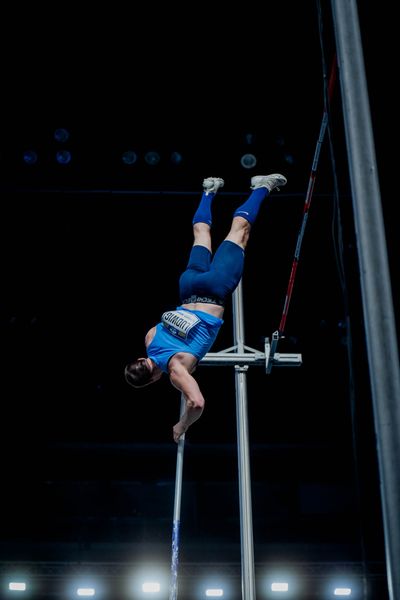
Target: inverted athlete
(183, 336)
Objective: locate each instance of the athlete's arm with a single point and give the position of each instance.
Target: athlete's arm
(188, 386)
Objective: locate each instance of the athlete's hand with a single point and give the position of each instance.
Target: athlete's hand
(178, 430)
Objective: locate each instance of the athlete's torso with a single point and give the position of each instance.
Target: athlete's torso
(211, 309)
(183, 332)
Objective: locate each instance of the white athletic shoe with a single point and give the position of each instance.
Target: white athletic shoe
(269, 181)
(212, 184)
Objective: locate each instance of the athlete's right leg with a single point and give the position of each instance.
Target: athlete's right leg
(246, 214)
(227, 265)
(202, 219)
(200, 255)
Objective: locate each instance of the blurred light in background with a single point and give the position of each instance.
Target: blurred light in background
(129, 157)
(248, 161)
(176, 158)
(61, 135)
(63, 157)
(152, 158)
(30, 157)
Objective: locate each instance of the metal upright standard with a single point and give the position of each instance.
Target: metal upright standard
(380, 326)
(241, 357)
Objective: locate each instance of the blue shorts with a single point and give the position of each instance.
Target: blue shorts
(215, 277)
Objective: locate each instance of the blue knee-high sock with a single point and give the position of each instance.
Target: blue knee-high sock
(203, 212)
(249, 209)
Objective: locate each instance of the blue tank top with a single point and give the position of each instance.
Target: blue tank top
(183, 330)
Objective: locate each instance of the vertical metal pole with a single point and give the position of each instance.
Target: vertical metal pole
(246, 521)
(380, 327)
(173, 593)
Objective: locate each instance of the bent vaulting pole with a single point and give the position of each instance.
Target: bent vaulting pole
(173, 591)
(379, 322)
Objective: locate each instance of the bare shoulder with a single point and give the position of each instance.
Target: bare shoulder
(183, 359)
(149, 336)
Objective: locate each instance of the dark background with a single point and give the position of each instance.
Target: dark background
(92, 252)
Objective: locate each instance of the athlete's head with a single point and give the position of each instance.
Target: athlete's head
(141, 372)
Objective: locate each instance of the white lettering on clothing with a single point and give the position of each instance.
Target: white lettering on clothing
(179, 323)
